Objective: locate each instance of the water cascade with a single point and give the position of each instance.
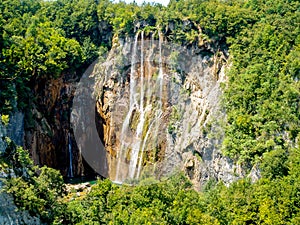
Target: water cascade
(136, 147)
(126, 123)
(155, 101)
(70, 157)
(143, 107)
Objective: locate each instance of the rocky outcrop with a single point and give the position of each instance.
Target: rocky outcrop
(9, 213)
(48, 134)
(182, 86)
(14, 130)
(157, 110)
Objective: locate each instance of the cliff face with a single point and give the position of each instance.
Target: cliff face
(159, 111)
(9, 213)
(48, 134)
(14, 130)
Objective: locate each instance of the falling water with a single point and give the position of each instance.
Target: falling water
(140, 96)
(136, 146)
(70, 156)
(160, 74)
(126, 123)
(145, 142)
(156, 120)
(149, 89)
(160, 81)
(132, 73)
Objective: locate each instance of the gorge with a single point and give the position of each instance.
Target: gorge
(167, 95)
(191, 110)
(157, 110)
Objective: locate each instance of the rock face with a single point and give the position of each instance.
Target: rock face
(158, 108)
(14, 130)
(48, 134)
(9, 213)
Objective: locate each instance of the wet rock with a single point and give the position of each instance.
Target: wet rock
(191, 114)
(47, 126)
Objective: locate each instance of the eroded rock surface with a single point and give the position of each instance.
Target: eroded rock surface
(187, 133)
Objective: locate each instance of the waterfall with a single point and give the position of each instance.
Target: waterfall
(144, 145)
(132, 102)
(142, 107)
(70, 156)
(136, 146)
(148, 107)
(160, 73)
(132, 73)
(149, 69)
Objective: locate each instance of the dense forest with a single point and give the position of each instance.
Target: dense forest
(261, 96)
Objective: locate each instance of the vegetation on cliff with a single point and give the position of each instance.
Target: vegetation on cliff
(170, 201)
(44, 39)
(35, 189)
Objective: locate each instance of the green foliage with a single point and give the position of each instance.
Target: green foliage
(172, 201)
(18, 158)
(262, 95)
(119, 15)
(43, 51)
(30, 48)
(175, 117)
(38, 194)
(41, 40)
(37, 190)
(5, 119)
(274, 164)
(44, 39)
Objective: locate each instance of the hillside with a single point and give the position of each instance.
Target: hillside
(192, 111)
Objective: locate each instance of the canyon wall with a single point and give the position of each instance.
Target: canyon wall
(9, 213)
(48, 134)
(159, 110)
(156, 111)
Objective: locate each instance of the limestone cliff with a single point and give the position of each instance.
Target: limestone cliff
(48, 134)
(159, 109)
(9, 213)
